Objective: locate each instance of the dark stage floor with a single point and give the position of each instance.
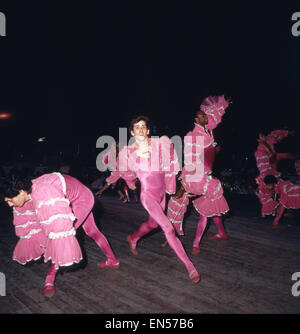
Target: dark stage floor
(251, 272)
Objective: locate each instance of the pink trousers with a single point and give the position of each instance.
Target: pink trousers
(154, 201)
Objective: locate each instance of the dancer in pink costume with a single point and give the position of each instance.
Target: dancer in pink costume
(110, 161)
(154, 162)
(267, 159)
(287, 192)
(211, 202)
(46, 213)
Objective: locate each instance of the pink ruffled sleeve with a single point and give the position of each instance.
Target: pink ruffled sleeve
(32, 240)
(276, 136)
(214, 107)
(262, 156)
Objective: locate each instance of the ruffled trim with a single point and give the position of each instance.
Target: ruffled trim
(64, 234)
(58, 216)
(63, 251)
(31, 233)
(290, 195)
(288, 205)
(23, 263)
(26, 224)
(269, 211)
(25, 213)
(53, 201)
(27, 250)
(210, 208)
(56, 266)
(272, 213)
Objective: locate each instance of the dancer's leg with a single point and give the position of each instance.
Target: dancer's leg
(82, 211)
(221, 231)
(199, 233)
(177, 207)
(279, 212)
(93, 232)
(157, 213)
(136, 199)
(127, 198)
(100, 191)
(49, 288)
(120, 194)
(144, 229)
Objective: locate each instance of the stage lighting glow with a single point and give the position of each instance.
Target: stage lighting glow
(5, 115)
(42, 139)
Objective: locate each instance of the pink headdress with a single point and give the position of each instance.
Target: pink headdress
(214, 107)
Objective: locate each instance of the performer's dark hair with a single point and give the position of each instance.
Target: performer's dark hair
(199, 110)
(11, 185)
(138, 119)
(270, 179)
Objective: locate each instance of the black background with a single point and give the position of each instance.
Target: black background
(76, 70)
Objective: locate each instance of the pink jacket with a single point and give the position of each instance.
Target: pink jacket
(48, 214)
(163, 159)
(199, 144)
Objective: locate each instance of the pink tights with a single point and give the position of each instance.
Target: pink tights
(201, 228)
(158, 218)
(279, 213)
(50, 278)
(82, 211)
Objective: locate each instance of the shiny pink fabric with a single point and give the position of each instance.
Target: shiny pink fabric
(56, 219)
(163, 159)
(212, 202)
(82, 202)
(199, 159)
(45, 224)
(32, 241)
(156, 177)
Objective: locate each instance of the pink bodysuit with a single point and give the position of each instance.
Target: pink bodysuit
(157, 176)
